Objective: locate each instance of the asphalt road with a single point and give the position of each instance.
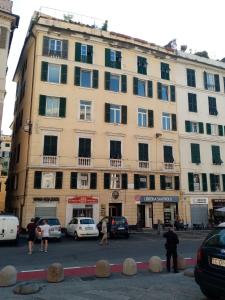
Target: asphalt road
(140, 246)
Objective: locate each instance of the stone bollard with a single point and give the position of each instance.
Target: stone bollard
(102, 269)
(26, 288)
(8, 276)
(155, 264)
(181, 263)
(129, 267)
(55, 273)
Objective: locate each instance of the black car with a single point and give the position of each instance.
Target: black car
(116, 226)
(210, 268)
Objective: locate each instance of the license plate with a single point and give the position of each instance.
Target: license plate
(121, 228)
(218, 262)
(88, 228)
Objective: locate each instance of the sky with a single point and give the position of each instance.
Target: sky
(198, 24)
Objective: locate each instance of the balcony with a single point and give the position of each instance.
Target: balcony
(84, 161)
(143, 164)
(115, 163)
(49, 160)
(168, 166)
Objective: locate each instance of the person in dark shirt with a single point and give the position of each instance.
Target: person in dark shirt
(171, 249)
(31, 235)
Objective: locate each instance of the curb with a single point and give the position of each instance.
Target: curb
(85, 271)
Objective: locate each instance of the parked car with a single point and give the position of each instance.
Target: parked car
(82, 227)
(9, 228)
(117, 226)
(210, 267)
(55, 228)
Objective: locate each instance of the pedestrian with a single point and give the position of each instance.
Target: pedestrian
(31, 235)
(171, 248)
(45, 228)
(159, 227)
(104, 231)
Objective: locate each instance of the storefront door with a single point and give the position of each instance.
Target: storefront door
(115, 209)
(141, 215)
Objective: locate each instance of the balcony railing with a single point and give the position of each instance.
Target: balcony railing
(115, 163)
(49, 160)
(84, 161)
(143, 164)
(168, 166)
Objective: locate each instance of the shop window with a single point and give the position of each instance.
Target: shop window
(83, 180)
(169, 182)
(115, 182)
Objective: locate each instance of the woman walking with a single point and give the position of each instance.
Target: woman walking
(31, 235)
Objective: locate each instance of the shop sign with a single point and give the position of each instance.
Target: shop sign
(150, 199)
(217, 203)
(82, 200)
(202, 201)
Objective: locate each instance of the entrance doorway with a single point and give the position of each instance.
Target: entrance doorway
(115, 209)
(141, 215)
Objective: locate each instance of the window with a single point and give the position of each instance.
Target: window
(115, 113)
(211, 82)
(142, 65)
(83, 181)
(216, 159)
(192, 102)
(115, 82)
(215, 182)
(195, 127)
(166, 120)
(143, 182)
(85, 78)
(166, 92)
(112, 58)
(165, 71)
(142, 152)
(53, 73)
(168, 154)
(165, 95)
(52, 106)
(48, 180)
(142, 88)
(84, 53)
(50, 145)
(191, 78)
(85, 110)
(196, 182)
(142, 117)
(112, 55)
(195, 153)
(115, 149)
(214, 129)
(212, 106)
(115, 182)
(84, 147)
(55, 47)
(168, 182)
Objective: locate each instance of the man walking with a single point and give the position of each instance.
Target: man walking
(44, 235)
(171, 249)
(104, 240)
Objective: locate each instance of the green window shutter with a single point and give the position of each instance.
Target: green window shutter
(192, 102)
(62, 107)
(216, 155)
(176, 182)
(89, 54)
(65, 49)
(118, 59)
(220, 129)
(191, 182)
(42, 105)
(174, 122)
(95, 79)
(37, 179)
(107, 112)
(201, 127)
(107, 81)
(124, 114)
(205, 80)
(152, 182)
(204, 182)
(77, 76)
(212, 182)
(187, 126)
(107, 58)
(191, 77)
(93, 183)
(159, 89)
(45, 47)
(58, 180)
(44, 71)
(64, 74)
(135, 85)
(50, 145)
(77, 51)
(208, 128)
(123, 83)
(124, 181)
(150, 89)
(162, 182)
(136, 182)
(195, 153)
(106, 181)
(223, 178)
(150, 118)
(73, 180)
(172, 93)
(217, 82)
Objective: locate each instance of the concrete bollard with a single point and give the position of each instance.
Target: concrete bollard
(181, 263)
(129, 267)
(155, 264)
(8, 276)
(102, 269)
(55, 273)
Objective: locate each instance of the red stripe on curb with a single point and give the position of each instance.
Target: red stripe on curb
(85, 271)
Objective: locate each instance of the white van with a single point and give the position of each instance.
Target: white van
(9, 228)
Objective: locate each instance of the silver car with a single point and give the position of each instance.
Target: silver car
(55, 228)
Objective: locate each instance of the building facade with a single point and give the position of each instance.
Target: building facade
(96, 126)
(8, 23)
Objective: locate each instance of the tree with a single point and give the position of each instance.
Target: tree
(68, 18)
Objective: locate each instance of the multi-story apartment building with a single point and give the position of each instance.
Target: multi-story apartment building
(8, 23)
(5, 146)
(201, 109)
(95, 126)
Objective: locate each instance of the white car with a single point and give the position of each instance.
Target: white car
(82, 227)
(9, 228)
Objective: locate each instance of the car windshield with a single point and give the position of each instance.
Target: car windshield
(216, 238)
(119, 220)
(87, 221)
(51, 222)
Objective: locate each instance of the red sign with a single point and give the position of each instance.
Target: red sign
(83, 200)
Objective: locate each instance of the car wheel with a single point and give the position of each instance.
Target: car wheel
(76, 237)
(210, 294)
